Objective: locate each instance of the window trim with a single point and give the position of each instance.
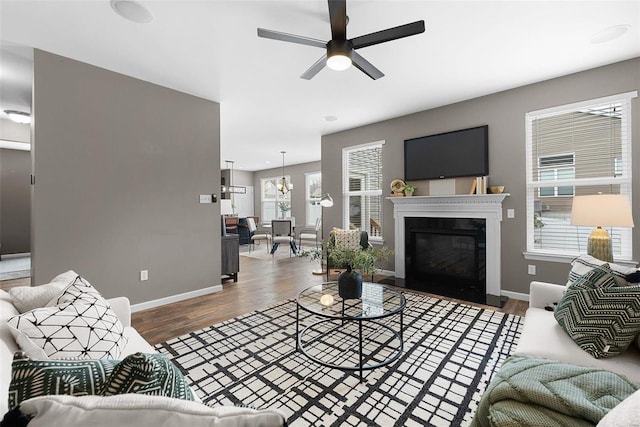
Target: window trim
(345, 185)
(624, 182)
(308, 200)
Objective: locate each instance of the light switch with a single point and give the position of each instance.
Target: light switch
(532, 269)
(144, 275)
(511, 213)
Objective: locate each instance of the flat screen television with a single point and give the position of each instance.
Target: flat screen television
(454, 154)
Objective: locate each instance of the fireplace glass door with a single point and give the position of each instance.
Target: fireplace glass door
(447, 256)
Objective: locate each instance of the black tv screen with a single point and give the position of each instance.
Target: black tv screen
(447, 155)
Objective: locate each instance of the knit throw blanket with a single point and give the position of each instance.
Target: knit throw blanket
(538, 392)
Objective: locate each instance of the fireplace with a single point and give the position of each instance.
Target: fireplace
(446, 256)
(486, 208)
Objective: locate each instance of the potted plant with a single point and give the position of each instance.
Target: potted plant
(409, 189)
(364, 261)
(359, 263)
(284, 208)
(315, 255)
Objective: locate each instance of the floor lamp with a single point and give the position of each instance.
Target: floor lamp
(601, 210)
(326, 201)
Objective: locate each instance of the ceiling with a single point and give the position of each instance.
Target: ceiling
(210, 49)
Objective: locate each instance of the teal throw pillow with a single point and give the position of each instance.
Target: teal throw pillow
(34, 378)
(144, 373)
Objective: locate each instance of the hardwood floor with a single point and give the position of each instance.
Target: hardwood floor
(5, 285)
(260, 284)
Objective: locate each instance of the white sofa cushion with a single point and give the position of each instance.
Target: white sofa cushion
(542, 337)
(8, 347)
(626, 413)
(141, 411)
(82, 326)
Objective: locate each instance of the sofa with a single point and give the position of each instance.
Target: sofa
(552, 377)
(110, 409)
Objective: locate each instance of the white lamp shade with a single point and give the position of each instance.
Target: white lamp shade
(226, 208)
(602, 210)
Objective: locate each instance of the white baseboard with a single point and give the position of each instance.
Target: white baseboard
(516, 295)
(9, 256)
(174, 298)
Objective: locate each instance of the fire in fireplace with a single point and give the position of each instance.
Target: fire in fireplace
(446, 256)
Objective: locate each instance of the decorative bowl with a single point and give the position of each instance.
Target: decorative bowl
(496, 189)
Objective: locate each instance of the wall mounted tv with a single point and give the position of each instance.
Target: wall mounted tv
(454, 154)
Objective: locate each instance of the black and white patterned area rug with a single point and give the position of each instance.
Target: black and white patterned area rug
(451, 352)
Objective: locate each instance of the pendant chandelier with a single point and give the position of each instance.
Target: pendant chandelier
(284, 186)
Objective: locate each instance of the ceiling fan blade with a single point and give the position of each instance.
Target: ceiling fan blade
(388, 34)
(292, 38)
(338, 19)
(315, 68)
(365, 66)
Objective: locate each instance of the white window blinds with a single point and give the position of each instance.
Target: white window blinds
(362, 188)
(573, 150)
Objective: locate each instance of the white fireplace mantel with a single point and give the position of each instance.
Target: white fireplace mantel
(487, 206)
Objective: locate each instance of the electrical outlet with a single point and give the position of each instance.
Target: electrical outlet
(511, 213)
(532, 269)
(144, 275)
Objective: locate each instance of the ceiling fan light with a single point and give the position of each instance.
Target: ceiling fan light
(132, 10)
(339, 62)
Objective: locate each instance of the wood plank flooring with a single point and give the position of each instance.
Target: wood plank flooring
(260, 284)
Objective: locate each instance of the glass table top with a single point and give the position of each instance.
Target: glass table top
(376, 301)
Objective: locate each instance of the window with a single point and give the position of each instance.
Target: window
(362, 188)
(274, 204)
(313, 185)
(578, 149)
(556, 168)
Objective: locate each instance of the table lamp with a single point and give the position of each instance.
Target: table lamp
(601, 210)
(226, 208)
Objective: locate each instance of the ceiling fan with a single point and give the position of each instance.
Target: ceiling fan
(340, 51)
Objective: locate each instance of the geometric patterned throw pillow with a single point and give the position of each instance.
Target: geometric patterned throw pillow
(600, 316)
(347, 239)
(585, 263)
(144, 373)
(78, 290)
(83, 326)
(33, 378)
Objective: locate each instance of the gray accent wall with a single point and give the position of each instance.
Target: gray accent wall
(15, 190)
(504, 112)
(297, 174)
(119, 165)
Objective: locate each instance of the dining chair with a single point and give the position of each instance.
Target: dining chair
(258, 233)
(309, 234)
(282, 232)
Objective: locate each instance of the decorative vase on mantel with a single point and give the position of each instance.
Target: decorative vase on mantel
(350, 284)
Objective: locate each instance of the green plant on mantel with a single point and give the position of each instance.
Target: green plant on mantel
(409, 188)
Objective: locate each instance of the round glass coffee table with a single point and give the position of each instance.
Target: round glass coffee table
(350, 334)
